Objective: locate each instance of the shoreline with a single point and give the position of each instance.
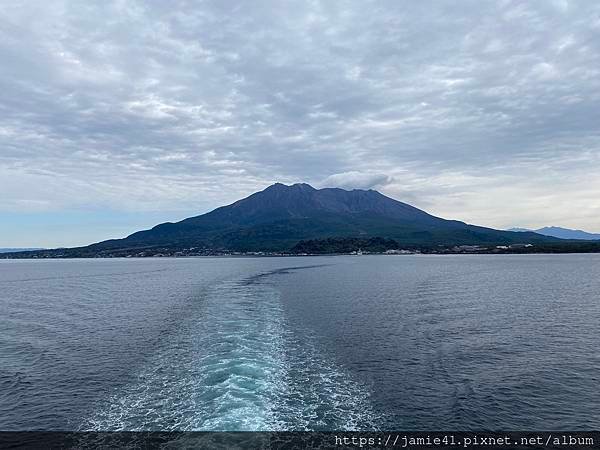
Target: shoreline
(293, 255)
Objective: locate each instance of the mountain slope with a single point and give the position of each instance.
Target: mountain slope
(278, 217)
(563, 233)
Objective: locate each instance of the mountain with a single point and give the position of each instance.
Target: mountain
(12, 250)
(279, 217)
(563, 233)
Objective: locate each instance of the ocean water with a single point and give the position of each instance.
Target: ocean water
(467, 342)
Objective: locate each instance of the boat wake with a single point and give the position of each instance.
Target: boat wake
(234, 365)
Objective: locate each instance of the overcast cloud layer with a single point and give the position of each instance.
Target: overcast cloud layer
(483, 111)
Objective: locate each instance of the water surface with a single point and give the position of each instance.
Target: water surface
(312, 343)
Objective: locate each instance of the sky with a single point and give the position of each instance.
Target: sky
(118, 115)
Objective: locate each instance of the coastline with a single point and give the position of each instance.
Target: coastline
(290, 255)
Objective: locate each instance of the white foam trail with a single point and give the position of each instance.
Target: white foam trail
(237, 366)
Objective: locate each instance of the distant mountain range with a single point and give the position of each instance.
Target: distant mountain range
(562, 233)
(279, 217)
(12, 250)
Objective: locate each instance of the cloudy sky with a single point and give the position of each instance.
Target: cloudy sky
(118, 115)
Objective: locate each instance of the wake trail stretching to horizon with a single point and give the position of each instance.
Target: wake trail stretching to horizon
(238, 365)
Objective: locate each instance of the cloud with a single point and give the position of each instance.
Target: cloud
(356, 180)
(142, 106)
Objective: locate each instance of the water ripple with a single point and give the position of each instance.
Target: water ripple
(238, 367)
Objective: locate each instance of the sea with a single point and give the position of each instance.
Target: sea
(372, 342)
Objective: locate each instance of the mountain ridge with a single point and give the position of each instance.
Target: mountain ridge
(562, 233)
(261, 221)
(280, 216)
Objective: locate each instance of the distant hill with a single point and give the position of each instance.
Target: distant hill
(279, 217)
(12, 250)
(562, 233)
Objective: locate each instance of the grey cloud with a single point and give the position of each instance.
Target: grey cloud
(356, 180)
(192, 104)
